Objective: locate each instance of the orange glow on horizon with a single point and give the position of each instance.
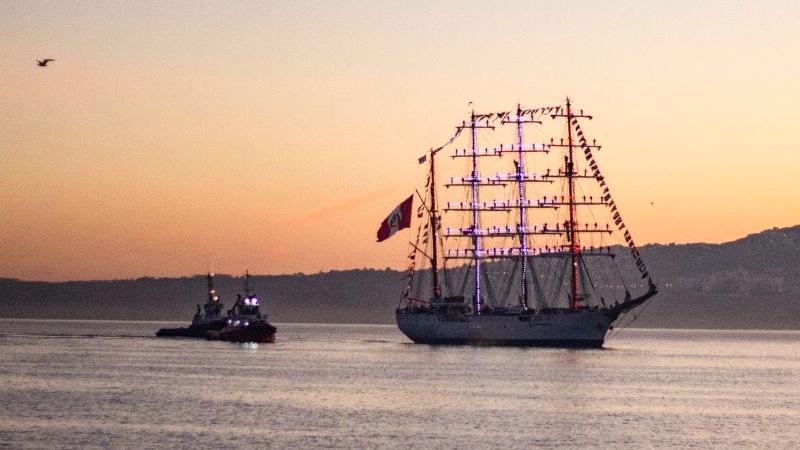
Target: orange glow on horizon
(167, 138)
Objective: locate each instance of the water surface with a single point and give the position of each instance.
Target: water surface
(111, 384)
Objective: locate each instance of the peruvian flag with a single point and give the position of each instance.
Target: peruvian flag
(398, 219)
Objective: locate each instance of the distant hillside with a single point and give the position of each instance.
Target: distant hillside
(752, 282)
(352, 296)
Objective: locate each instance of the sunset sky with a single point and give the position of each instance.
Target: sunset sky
(168, 138)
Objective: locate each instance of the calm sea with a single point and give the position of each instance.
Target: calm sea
(111, 384)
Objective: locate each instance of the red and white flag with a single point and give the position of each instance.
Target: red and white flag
(398, 219)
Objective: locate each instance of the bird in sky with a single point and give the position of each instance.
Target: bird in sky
(43, 63)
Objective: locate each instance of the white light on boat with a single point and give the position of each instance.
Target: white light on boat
(246, 323)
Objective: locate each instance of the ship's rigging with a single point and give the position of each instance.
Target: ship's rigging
(522, 228)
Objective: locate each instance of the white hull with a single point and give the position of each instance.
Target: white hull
(563, 328)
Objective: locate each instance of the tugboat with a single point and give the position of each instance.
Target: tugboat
(205, 320)
(245, 322)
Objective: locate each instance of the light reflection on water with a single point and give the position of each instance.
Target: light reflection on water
(86, 383)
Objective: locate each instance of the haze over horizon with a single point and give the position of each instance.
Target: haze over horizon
(168, 139)
(240, 274)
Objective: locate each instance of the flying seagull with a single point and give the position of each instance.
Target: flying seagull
(43, 63)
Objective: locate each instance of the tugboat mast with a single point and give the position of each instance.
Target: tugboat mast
(212, 293)
(246, 283)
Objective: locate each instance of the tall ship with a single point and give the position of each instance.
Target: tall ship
(210, 317)
(524, 245)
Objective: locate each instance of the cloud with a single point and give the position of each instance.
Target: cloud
(339, 208)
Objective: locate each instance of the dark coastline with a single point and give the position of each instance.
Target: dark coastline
(751, 283)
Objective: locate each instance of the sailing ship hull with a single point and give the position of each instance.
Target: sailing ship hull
(585, 328)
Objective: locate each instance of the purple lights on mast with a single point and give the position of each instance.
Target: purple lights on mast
(474, 182)
(521, 177)
(476, 239)
(558, 197)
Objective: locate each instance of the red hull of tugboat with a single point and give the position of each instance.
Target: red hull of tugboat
(260, 333)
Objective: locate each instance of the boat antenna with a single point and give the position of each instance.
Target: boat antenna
(246, 283)
(212, 292)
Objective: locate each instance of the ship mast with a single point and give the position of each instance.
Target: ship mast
(473, 181)
(522, 226)
(474, 206)
(574, 248)
(570, 173)
(437, 291)
(476, 238)
(566, 233)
